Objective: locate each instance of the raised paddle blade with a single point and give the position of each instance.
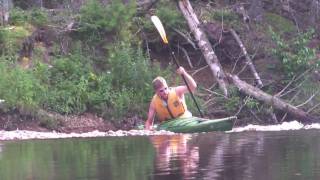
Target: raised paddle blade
(156, 21)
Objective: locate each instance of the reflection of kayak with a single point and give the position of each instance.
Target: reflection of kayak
(196, 125)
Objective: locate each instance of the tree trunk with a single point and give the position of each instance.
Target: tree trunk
(5, 6)
(203, 44)
(273, 101)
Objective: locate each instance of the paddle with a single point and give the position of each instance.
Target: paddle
(157, 23)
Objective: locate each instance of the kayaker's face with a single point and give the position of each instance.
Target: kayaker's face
(163, 92)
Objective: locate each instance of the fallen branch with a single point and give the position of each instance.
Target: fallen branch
(273, 101)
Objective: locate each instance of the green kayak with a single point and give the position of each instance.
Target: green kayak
(197, 125)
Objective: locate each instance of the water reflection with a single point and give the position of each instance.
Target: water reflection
(0, 150)
(176, 156)
(232, 156)
(286, 155)
(99, 158)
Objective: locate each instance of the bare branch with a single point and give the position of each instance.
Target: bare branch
(185, 54)
(186, 37)
(313, 108)
(200, 69)
(308, 100)
(292, 80)
(249, 61)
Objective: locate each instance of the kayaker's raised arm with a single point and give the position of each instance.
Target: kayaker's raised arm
(191, 82)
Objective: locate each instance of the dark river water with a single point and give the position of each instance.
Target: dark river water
(279, 155)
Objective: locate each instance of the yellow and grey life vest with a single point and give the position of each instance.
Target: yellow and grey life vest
(172, 108)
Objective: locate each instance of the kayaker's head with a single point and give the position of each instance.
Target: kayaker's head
(160, 87)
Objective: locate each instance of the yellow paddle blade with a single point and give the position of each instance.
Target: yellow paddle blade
(156, 21)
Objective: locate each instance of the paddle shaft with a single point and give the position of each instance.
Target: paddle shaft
(184, 79)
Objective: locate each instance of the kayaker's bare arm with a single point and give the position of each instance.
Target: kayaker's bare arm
(180, 90)
(151, 113)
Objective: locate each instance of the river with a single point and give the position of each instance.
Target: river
(286, 151)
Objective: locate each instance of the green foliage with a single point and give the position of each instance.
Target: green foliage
(192, 106)
(69, 85)
(131, 79)
(128, 67)
(295, 55)
(38, 17)
(279, 24)
(97, 19)
(2, 38)
(251, 103)
(10, 37)
(18, 17)
(19, 88)
(233, 102)
(74, 87)
(222, 15)
(169, 15)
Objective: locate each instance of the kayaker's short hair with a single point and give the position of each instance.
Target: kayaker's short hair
(158, 82)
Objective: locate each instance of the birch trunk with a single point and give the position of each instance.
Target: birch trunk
(273, 101)
(203, 44)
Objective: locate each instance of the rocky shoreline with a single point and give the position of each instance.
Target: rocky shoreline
(29, 134)
(24, 134)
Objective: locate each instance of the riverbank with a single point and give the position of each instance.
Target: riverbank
(83, 123)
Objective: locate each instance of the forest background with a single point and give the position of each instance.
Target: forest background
(61, 60)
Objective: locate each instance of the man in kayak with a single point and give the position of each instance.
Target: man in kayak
(169, 103)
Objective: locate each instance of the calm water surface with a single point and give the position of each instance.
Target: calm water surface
(231, 156)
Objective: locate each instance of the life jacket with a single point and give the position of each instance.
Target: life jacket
(173, 108)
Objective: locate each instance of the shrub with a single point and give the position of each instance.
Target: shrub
(169, 14)
(69, 85)
(280, 24)
(170, 17)
(38, 17)
(131, 75)
(18, 17)
(295, 55)
(10, 39)
(97, 19)
(19, 88)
